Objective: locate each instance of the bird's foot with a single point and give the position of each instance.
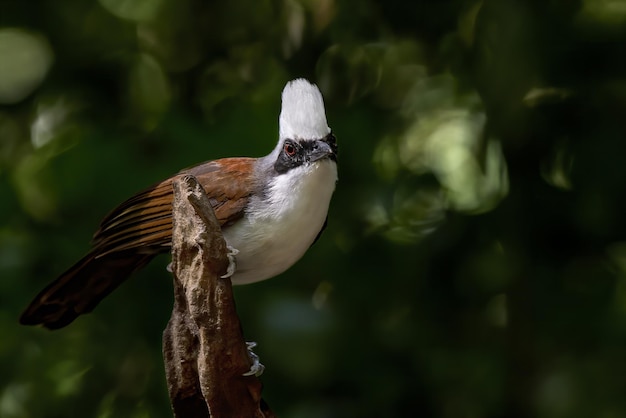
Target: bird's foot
(256, 369)
(232, 262)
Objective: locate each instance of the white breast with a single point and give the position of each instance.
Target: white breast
(277, 231)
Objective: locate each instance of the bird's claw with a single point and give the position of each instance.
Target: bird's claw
(232, 262)
(256, 369)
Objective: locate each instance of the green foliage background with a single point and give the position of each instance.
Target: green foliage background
(475, 259)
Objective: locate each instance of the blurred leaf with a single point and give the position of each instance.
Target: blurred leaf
(26, 59)
(136, 10)
(149, 91)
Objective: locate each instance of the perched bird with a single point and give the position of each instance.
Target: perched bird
(271, 209)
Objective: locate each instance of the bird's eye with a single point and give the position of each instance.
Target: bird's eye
(289, 149)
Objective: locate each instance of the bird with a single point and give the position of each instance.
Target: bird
(271, 209)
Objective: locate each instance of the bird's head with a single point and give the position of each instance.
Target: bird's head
(304, 135)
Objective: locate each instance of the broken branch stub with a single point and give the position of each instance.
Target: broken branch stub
(203, 348)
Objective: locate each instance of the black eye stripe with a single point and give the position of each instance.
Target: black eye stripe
(295, 153)
(292, 155)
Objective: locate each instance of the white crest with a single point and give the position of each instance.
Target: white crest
(302, 115)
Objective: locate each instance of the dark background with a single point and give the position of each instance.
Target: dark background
(474, 264)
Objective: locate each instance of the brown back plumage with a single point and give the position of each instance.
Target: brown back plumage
(132, 235)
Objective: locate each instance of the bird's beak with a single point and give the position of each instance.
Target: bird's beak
(322, 149)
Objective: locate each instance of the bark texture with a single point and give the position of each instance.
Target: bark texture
(203, 347)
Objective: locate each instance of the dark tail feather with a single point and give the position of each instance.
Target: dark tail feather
(81, 288)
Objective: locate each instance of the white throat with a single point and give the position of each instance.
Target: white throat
(276, 231)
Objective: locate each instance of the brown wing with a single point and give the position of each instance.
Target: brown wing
(145, 220)
(131, 235)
